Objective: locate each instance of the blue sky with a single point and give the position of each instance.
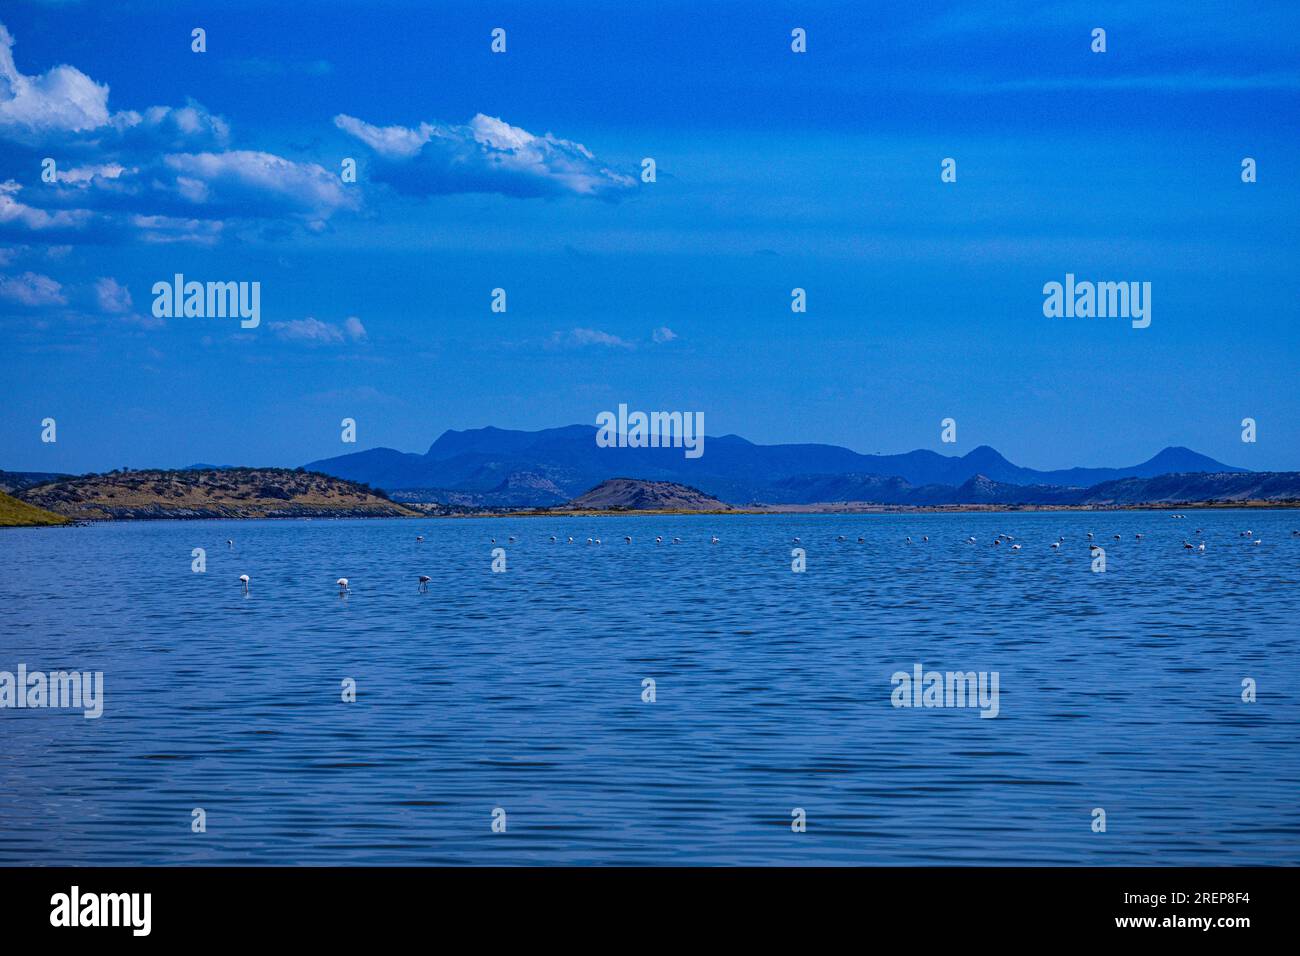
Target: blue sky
(775, 170)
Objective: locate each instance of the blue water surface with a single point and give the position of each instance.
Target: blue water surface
(523, 691)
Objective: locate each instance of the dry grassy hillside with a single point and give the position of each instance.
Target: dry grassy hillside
(232, 493)
(19, 514)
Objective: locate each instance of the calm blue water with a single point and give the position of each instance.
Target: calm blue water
(523, 690)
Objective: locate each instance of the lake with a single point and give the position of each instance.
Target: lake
(517, 697)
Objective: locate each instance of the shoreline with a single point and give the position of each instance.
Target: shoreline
(845, 508)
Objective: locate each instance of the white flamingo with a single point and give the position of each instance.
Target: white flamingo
(243, 579)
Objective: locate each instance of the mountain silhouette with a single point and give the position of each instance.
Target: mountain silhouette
(512, 467)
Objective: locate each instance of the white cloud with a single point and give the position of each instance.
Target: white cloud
(395, 142)
(177, 229)
(270, 181)
(32, 289)
(578, 338)
(320, 333)
(353, 328)
(83, 176)
(487, 155)
(663, 334)
(112, 296)
(22, 217)
(60, 99)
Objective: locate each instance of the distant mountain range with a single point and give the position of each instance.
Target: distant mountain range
(497, 467)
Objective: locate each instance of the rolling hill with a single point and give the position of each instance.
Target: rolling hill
(231, 493)
(630, 494)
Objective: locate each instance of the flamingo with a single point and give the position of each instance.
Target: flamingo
(243, 578)
(343, 585)
(424, 582)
